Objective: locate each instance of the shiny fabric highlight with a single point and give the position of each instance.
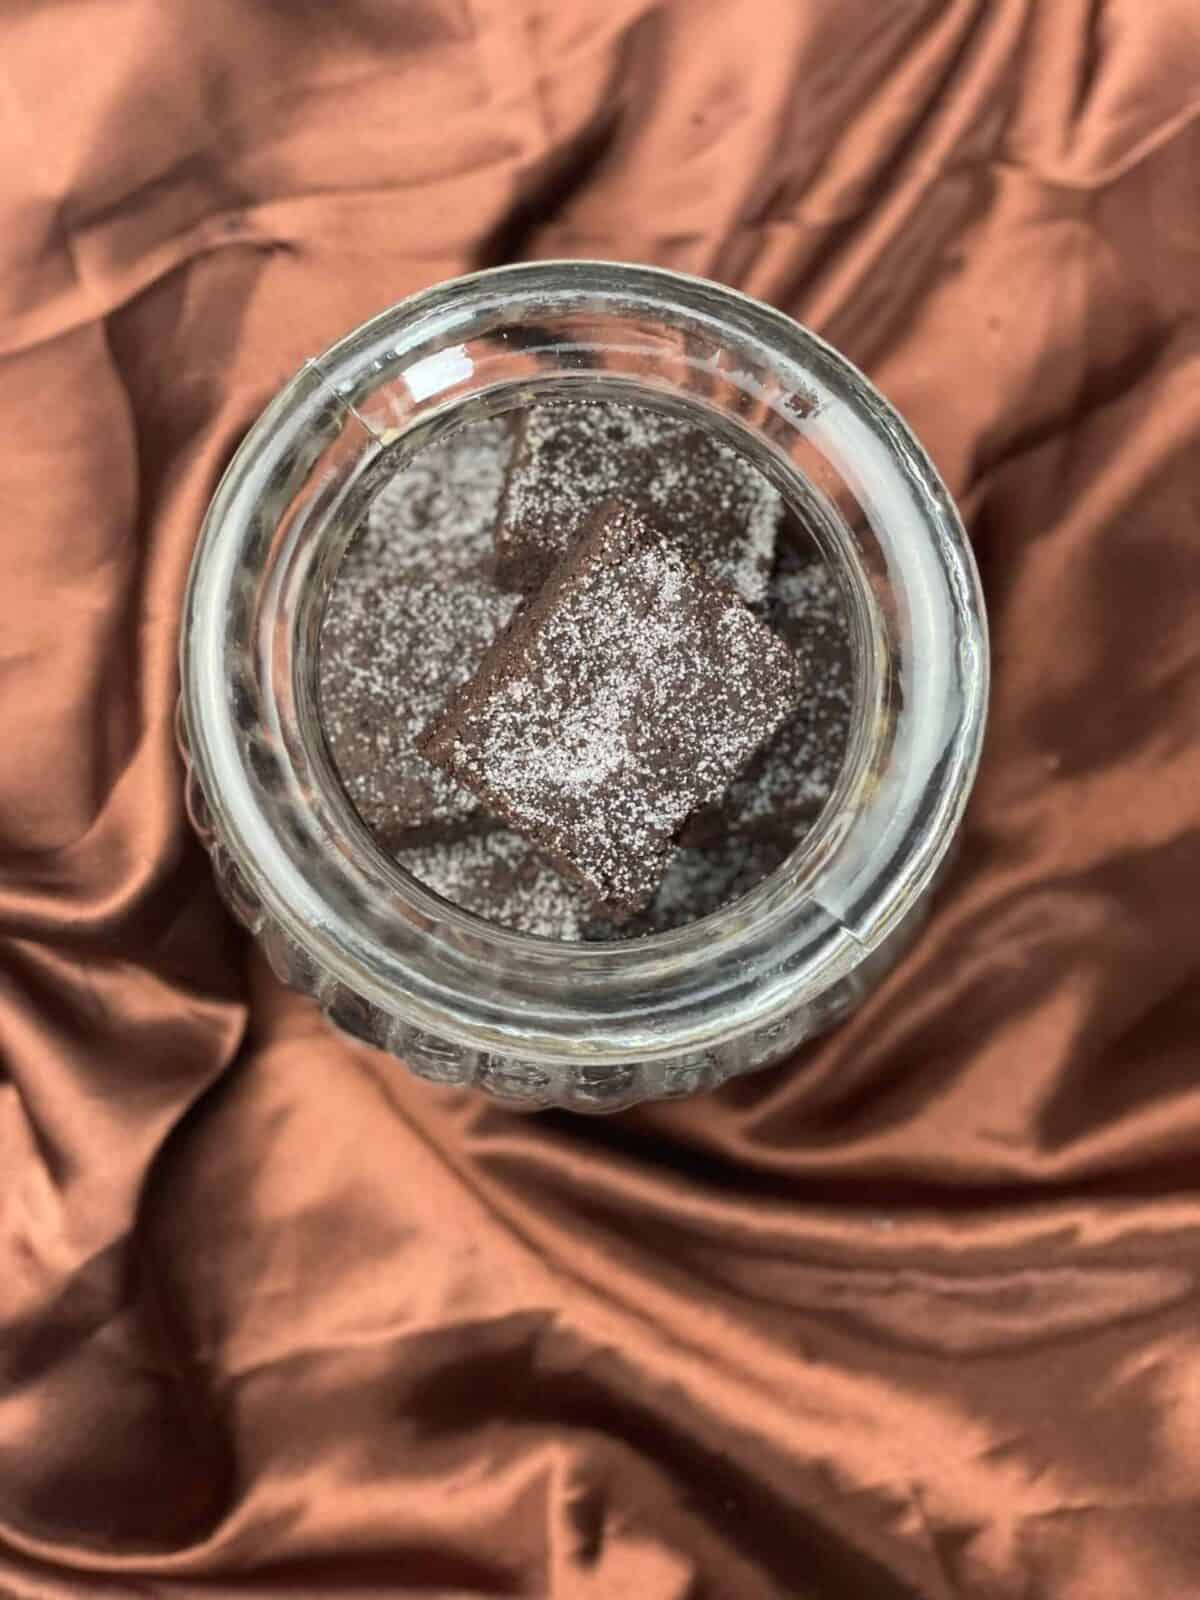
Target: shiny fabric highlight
(913, 1317)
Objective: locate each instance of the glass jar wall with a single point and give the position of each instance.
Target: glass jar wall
(459, 1000)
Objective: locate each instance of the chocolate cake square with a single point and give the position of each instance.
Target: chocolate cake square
(411, 614)
(568, 456)
(790, 779)
(627, 692)
(392, 649)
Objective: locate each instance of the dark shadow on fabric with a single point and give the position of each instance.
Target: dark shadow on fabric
(631, 1141)
(166, 1493)
(554, 182)
(747, 1512)
(1144, 1066)
(408, 1567)
(559, 178)
(1141, 363)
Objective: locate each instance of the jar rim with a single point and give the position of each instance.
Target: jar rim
(390, 940)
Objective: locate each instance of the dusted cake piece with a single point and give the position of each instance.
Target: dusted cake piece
(392, 649)
(630, 690)
(570, 455)
(700, 881)
(791, 778)
(410, 616)
(500, 877)
(436, 517)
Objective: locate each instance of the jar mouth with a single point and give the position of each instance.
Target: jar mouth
(803, 863)
(295, 493)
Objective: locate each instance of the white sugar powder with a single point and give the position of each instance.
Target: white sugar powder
(572, 455)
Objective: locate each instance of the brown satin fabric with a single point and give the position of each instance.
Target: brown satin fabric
(917, 1315)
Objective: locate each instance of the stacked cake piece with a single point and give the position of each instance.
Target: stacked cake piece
(581, 676)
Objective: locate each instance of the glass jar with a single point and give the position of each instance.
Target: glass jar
(459, 1000)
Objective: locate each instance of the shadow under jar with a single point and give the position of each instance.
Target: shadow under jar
(461, 1001)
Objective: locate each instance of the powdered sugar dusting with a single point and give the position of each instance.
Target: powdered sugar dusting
(435, 518)
(700, 881)
(796, 772)
(396, 649)
(410, 616)
(574, 454)
(627, 694)
(500, 877)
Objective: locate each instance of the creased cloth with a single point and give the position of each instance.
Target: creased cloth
(914, 1315)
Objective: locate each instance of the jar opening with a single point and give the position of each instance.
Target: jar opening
(359, 700)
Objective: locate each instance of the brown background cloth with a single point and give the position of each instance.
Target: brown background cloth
(917, 1315)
